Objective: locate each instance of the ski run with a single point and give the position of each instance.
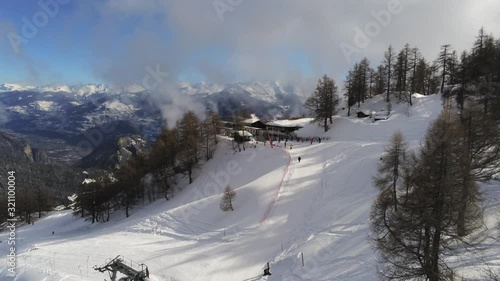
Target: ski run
(285, 213)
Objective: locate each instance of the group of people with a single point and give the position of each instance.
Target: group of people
(315, 139)
(298, 139)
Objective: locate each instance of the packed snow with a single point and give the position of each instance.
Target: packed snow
(317, 209)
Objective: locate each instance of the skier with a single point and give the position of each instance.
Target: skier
(290, 146)
(267, 270)
(299, 159)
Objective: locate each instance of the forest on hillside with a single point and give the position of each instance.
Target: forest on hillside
(430, 204)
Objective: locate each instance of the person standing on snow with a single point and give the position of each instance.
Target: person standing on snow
(267, 270)
(299, 159)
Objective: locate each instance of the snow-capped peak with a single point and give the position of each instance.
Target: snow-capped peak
(266, 89)
(81, 90)
(89, 89)
(54, 89)
(200, 88)
(7, 87)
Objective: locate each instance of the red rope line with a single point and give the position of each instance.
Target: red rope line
(275, 198)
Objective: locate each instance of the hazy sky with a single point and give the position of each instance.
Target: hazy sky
(114, 41)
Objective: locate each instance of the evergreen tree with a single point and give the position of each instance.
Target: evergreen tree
(379, 78)
(463, 77)
(400, 72)
(363, 80)
(43, 199)
(389, 58)
(443, 62)
(349, 93)
(189, 130)
(391, 166)
(25, 203)
(480, 156)
(228, 196)
(323, 102)
(209, 130)
(413, 241)
(407, 51)
(163, 162)
(413, 62)
(431, 79)
(371, 82)
(421, 77)
(453, 68)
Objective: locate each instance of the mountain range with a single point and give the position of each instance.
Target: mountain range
(42, 114)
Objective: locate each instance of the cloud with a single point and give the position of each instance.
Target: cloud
(294, 41)
(251, 39)
(172, 103)
(257, 38)
(14, 53)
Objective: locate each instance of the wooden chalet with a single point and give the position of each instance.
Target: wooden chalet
(261, 130)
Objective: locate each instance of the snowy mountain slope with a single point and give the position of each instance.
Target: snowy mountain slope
(319, 207)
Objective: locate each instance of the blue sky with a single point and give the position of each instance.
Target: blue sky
(47, 57)
(113, 41)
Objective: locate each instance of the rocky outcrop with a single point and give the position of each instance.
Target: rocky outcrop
(33, 170)
(15, 148)
(112, 154)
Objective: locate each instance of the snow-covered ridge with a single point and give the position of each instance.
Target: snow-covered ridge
(115, 105)
(262, 90)
(45, 105)
(80, 90)
(74, 109)
(14, 87)
(200, 88)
